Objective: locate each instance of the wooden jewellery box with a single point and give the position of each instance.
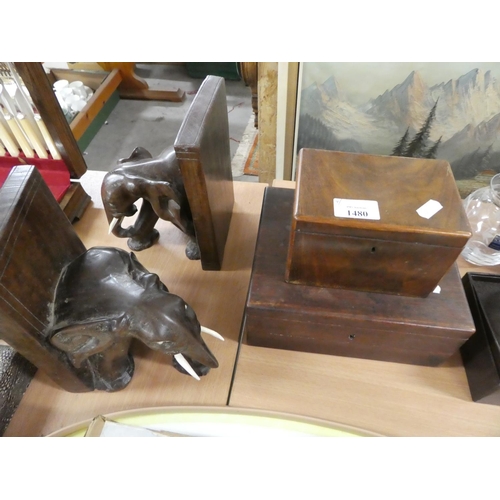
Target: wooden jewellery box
(374, 223)
(342, 322)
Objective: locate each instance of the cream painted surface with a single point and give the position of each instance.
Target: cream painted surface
(268, 80)
(285, 118)
(297, 107)
(281, 119)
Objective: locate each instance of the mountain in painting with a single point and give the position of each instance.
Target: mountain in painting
(484, 135)
(467, 114)
(407, 104)
(347, 122)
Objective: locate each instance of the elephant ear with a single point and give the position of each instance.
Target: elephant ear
(137, 154)
(160, 189)
(142, 276)
(80, 342)
(165, 200)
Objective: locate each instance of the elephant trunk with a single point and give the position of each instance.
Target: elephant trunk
(115, 223)
(141, 232)
(201, 353)
(145, 221)
(117, 229)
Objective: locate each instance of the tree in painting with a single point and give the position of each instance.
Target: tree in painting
(432, 151)
(401, 145)
(417, 147)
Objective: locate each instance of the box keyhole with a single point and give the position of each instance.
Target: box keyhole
(373, 249)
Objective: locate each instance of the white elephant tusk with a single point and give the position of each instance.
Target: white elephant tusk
(114, 222)
(184, 363)
(206, 330)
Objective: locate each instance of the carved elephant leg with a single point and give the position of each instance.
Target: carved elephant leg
(169, 209)
(192, 248)
(144, 233)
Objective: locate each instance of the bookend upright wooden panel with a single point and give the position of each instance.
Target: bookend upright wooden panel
(203, 151)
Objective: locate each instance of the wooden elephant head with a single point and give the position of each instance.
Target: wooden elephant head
(104, 300)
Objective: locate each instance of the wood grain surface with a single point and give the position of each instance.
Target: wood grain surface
(203, 152)
(400, 252)
(346, 322)
(37, 242)
(40, 88)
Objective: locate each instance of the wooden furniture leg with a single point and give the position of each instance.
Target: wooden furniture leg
(134, 87)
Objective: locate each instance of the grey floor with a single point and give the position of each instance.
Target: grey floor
(154, 124)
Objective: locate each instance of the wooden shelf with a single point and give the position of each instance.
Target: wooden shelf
(104, 85)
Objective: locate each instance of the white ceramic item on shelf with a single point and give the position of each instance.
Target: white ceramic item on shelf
(78, 89)
(77, 106)
(89, 92)
(71, 99)
(60, 84)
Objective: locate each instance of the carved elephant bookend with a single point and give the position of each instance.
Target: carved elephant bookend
(74, 312)
(104, 300)
(158, 182)
(189, 184)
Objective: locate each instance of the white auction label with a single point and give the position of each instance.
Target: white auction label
(356, 209)
(429, 209)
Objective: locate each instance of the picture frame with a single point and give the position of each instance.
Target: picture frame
(448, 110)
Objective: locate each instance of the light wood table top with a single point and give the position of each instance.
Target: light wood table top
(387, 398)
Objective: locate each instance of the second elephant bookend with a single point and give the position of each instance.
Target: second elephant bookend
(74, 312)
(158, 182)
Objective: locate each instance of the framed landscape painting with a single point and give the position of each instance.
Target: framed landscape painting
(447, 111)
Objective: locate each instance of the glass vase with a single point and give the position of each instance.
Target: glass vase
(483, 211)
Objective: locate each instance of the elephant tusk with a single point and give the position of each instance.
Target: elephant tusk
(206, 330)
(183, 362)
(114, 222)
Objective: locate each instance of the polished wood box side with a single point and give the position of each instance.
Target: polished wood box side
(402, 253)
(344, 322)
(203, 151)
